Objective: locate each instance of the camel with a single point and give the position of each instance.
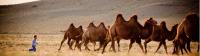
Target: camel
(190, 28)
(159, 34)
(128, 30)
(146, 31)
(94, 34)
(74, 34)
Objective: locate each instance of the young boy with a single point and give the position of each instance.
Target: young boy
(34, 44)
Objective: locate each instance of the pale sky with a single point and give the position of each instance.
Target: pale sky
(11, 2)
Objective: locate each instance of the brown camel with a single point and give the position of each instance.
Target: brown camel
(74, 34)
(148, 28)
(122, 29)
(160, 33)
(190, 28)
(94, 34)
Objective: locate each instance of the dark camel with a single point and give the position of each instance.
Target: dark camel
(187, 31)
(74, 34)
(160, 33)
(148, 28)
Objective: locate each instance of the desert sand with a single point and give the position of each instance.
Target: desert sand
(18, 45)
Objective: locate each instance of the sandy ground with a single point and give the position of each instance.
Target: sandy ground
(18, 45)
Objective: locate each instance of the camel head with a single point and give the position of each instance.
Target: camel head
(150, 23)
(173, 32)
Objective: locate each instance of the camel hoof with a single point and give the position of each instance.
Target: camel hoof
(145, 52)
(58, 49)
(102, 52)
(174, 53)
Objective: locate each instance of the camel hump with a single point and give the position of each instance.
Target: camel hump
(192, 17)
(102, 26)
(80, 27)
(91, 25)
(163, 23)
(134, 17)
(72, 25)
(174, 27)
(120, 18)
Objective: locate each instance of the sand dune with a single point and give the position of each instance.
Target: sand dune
(52, 16)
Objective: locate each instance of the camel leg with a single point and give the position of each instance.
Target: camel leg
(86, 47)
(100, 45)
(174, 50)
(188, 46)
(118, 41)
(79, 46)
(62, 43)
(198, 47)
(181, 49)
(104, 47)
(94, 44)
(140, 44)
(76, 45)
(185, 49)
(176, 47)
(159, 46)
(130, 45)
(69, 43)
(110, 48)
(113, 45)
(82, 42)
(145, 44)
(165, 46)
(72, 43)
